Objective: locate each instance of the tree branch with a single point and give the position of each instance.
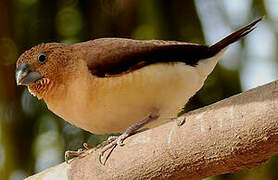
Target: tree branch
(236, 133)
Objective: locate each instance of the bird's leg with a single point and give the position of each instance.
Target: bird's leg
(114, 140)
(111, 142)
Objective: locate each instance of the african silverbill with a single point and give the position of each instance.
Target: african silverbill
(115, 85)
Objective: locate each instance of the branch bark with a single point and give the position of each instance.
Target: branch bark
(237, 133)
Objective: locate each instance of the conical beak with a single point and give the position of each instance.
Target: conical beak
(25, 76)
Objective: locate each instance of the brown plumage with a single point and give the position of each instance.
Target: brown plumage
(107, 85)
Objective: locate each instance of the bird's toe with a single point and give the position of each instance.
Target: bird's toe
(79, 153)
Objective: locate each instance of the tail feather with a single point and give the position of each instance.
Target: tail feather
(214, 49)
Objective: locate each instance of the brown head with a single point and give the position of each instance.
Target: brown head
(43, 67)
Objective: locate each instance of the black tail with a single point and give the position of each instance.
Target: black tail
(214, 49)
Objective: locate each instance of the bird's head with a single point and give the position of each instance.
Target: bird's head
(43, 67)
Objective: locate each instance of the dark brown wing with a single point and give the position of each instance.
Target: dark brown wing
(114, 56)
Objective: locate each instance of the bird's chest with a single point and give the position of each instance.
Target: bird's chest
(71, 102)
(110, 105)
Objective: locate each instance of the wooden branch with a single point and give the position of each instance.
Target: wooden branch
(237, 133)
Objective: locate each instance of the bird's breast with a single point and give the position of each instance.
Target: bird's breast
(111, 104)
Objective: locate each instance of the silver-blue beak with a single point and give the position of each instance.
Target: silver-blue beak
(24, 75)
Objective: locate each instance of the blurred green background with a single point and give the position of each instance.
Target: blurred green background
(33, 139)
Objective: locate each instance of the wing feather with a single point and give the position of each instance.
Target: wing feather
(115, 56)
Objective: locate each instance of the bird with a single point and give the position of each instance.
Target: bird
(118, 85)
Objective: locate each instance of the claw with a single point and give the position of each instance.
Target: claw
(112, 142)
(71, 154)
(108, 146)
(181, 120)
(79, 153)
(100, 154)
(88, 146)
(111, 139)
(120, 143)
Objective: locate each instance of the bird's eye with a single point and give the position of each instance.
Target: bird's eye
(42, 57)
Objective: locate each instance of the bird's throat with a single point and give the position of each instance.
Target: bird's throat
(41, 88)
